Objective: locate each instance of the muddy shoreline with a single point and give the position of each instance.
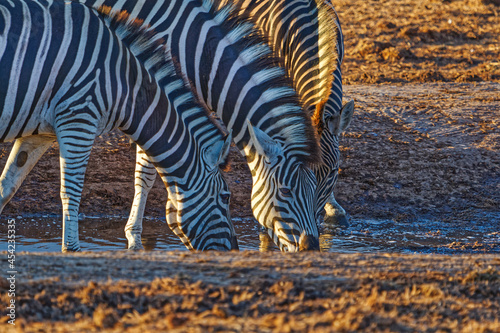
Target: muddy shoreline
(413, 152)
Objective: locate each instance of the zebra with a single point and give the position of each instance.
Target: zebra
(307, 36)
(301, 32)
(233, 73)
(68, 76)
(337, 118)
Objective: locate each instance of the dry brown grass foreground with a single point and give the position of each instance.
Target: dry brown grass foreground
(255, 292)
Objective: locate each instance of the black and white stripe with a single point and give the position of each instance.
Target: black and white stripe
(302, 34)
(335, 119)
(306, 35)
(233, 73)
(67, 76)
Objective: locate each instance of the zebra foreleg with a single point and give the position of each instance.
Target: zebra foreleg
(74, 147)
(145, 175)
(335, 215)
(24, 155)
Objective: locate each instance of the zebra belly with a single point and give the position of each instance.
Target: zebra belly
(15, 125)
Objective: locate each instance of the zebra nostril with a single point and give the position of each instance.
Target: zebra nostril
(308, 243)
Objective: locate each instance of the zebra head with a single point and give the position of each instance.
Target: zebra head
(198, 210)
(327, 172)
(282, 194)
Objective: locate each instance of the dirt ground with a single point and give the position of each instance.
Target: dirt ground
(401, 41)
(415, 151)
(425, 135)
(424, 144)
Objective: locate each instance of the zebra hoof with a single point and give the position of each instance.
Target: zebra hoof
(134, 240)
(136, 247)
(336, 221)
(71, 249)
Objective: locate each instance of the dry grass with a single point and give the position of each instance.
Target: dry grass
(260, 292)
(402, 41)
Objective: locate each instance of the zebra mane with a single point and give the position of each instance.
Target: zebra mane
(299, 129)
(328, 33)
(142, 40)
(327, 20)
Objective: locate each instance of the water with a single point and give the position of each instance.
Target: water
(43, 234)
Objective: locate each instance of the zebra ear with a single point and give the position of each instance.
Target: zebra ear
(218, 152)
(263, 143)
(339, 122)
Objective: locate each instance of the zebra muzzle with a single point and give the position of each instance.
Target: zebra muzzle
(308, 243)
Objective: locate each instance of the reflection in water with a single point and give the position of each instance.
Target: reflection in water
(266, 244)
(43, 234)
(148, 242)
(325, 242)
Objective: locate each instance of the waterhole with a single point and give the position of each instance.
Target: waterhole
(43, 234)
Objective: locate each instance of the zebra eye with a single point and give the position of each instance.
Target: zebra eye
(285, 192)
(225, 197)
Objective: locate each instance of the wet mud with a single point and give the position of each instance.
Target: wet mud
(417, 151)
(43, 234)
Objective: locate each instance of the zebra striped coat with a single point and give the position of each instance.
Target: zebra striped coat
(233, 73)
(66, 75)
(307, 36)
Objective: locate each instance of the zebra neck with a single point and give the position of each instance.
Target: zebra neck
(167, 124)
(167, 98)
